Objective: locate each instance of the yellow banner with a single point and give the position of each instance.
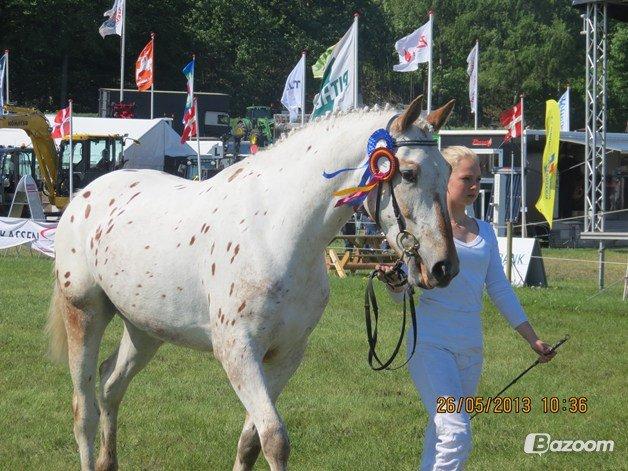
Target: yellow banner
(545, 204)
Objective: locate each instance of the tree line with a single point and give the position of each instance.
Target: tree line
(246, 48)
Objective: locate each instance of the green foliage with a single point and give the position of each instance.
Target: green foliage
(247, 48)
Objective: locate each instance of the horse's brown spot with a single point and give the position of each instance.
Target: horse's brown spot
(242, 306)
(215, 209)
(133, 196)
(66, 284)
(88, 209)
(106, 260)
(163, 296)
(222, 319)
(308, 148)
(139, 286)
(86, 194)
(100, 276)
(179, 245)
(235, 252)
(203, 227)
(130, 222)
(206, 229)
(233, 322)
(73, 250)
(228, 246)
(192, 240)
(231, 290)
(256, 213)
(265, 212)
(72, 218)
(134, 184)
(115, 274)
(147, 247)
(179, 288)
(212, 250)
(96, 263)
(235, 174)
(242, 221)
(98, 233)
(213, 269)
(111, 201)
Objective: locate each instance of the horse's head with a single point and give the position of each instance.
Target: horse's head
(411, 208)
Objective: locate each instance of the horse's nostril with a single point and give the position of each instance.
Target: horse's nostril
(442, 270)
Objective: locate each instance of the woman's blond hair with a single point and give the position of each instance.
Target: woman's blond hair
(454, 154)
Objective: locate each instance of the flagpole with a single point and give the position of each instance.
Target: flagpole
(152, 71)
(477, 79)
(524, 158)
(198, 142)
(429, 66)
(71, 169)
(6, 53)
(122, 52)
(304, 55)
(356, 16)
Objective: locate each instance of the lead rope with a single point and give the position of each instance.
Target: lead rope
(372, 324)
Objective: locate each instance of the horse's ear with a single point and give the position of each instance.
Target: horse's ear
(409, 116)
(438, 117)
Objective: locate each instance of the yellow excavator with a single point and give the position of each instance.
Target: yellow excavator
(93, 155)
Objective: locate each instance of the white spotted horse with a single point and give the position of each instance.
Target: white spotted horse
(235, 264)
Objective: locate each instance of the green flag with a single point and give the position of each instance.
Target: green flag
(339, 86)
(318, 69)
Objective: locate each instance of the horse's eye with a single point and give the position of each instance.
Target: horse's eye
(408, 175)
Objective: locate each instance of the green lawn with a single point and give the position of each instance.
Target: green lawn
(180, 412)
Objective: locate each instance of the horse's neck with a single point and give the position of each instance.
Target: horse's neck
(305, 193)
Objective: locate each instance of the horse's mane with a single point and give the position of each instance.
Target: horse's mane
(421, 122)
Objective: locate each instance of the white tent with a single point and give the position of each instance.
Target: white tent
(152, 139)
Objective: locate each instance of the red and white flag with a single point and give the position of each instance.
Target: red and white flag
(511, 120)
(144, 67)
(414, 49)
(189, 123)
(62, 126)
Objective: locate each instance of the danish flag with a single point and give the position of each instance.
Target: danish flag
(144, 67)
(511, 120)
(63, 123)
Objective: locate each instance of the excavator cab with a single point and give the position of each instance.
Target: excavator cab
(92, 157)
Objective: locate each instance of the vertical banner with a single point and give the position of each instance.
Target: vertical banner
(472, 72)
(564, 105)
(545, 204)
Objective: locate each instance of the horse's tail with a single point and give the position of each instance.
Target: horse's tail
(55, 328)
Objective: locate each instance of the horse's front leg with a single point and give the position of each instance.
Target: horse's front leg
(242, 360)
(279, 365)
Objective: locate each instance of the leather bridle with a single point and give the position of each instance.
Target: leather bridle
(409, 245)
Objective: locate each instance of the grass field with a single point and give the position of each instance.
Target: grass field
(181, 414)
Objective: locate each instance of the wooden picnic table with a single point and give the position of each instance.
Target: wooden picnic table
(361, 252)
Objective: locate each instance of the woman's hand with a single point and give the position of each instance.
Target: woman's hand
(544, 351)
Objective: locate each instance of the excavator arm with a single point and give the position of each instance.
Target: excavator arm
(36, 126)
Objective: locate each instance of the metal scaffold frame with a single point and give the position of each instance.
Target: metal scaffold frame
(595, 29)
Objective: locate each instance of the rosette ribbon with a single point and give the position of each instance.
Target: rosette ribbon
(380, 166)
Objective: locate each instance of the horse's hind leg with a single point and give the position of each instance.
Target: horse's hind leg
(136, 350)
(279, 365)
(85, 326)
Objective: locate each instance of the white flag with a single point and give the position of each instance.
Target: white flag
(3, 69)
(113, 25)
(414, 49)
(472, 72)
(339, 79)
(293, 90)
(564, 105)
